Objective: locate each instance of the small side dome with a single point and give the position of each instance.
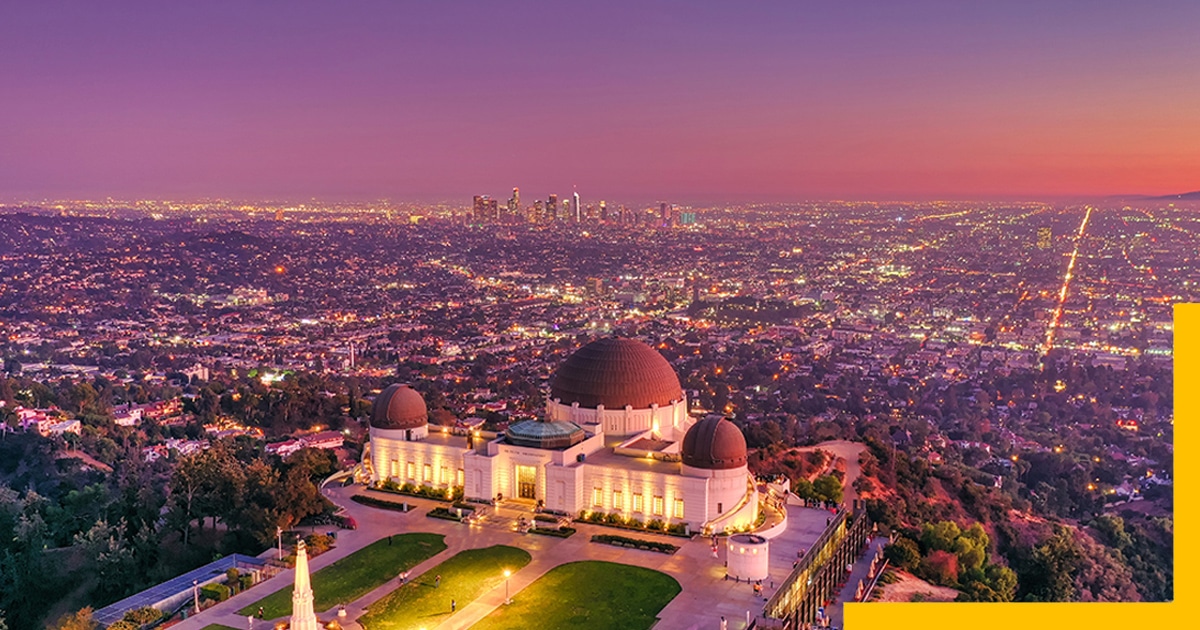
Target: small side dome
(556, 434)
(399, 407)
(714, 444)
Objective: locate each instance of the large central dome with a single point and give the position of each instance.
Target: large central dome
(616, 372)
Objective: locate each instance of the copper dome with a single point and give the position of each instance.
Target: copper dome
(616, 372)
(399, 407)
(714, 443)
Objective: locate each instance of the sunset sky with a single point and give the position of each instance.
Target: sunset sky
(770, 100)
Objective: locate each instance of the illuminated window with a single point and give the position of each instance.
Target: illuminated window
(618, 500)
(598, 497)
(412, 470)
(445, 478)
(678, 508)
(658, 506)
(637, 501)
(461, 477)
(395, 468)
(428, 473)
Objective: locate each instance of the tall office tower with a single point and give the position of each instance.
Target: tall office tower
(536, 214)
(576, 210)
(493, 209)
(514, 204)
(1045, 235)
(480, 208)
(552, 208)
(665, 214)
(603, 212)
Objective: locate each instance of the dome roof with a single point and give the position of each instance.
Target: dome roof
(714, 443)
(549, 434)
(616, 372)
(399, 407)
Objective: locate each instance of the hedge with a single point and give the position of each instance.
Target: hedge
(412, 490)
(216, 592)
(622, 541)
(381, 503)
(443, 513)
(561, 532)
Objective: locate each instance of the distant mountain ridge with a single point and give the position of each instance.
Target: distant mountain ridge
(1187, 196)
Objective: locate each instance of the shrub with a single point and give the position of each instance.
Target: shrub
(123, 624)
(623, 541)
(560, 532)
(142, 616)
(443, 513)
(656, 523)
(379, 503)
(319, 543)
(215, 592)
(545, 518)
(903, 554)
(615, 518)
(941, 567)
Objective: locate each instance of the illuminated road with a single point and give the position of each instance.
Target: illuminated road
(1062, 292)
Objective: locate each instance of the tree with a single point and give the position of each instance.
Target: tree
(1048, 576)
(939, 536)
(903, 554)
(828, 488)
(79, 620)
(941, 567)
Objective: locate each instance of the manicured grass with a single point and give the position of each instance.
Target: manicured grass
(355, 575)
(217, 626)
(589, 594)
(466, 576)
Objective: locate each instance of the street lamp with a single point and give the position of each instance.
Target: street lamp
(279, 537)
(507, 574)
(196, 595)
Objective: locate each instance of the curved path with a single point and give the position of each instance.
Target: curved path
(847, 450)
(706, 596)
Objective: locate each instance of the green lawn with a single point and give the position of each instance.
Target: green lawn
(355, 575)
(217, 626)
(466, 576)
(589, 594)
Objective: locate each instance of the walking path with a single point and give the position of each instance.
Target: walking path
(706, 595)
(859, 572)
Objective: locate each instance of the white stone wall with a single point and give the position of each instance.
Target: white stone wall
(391, 455)
(747, 560)
(670, 421)
(666, 484)
(726, 489)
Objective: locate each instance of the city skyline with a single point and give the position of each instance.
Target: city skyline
(783, 102)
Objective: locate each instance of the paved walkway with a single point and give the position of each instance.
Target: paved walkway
(706, 595)
(859, 572)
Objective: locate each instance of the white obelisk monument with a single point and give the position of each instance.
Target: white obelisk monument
(303, 617)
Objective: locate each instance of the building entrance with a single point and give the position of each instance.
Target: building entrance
(526, 482)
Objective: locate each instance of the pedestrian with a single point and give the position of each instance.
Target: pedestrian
(389, 541)
(453, 605)
(724, 626)
(437, 581)
(260, 612)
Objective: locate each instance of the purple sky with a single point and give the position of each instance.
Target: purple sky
(679, 100)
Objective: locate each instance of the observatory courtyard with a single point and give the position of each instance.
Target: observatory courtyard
(615, 509)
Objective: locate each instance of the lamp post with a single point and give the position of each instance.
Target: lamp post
(507, 574)
(279, 538)
(196, 596)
